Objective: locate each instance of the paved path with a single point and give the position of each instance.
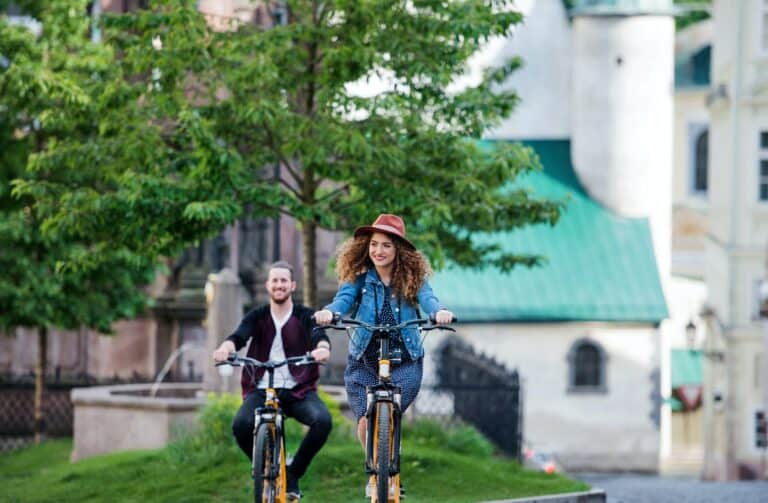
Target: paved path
(629, 488)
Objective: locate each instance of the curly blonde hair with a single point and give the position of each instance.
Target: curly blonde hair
(410, 268)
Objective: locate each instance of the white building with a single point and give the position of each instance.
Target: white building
(587, 330)
(737, 236)
(600, 83)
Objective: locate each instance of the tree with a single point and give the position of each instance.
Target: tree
(44, 98)
(692, 12)
(198, 122)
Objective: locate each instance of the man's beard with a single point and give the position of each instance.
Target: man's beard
(280, 301)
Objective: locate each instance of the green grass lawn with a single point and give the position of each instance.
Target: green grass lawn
(204, 468)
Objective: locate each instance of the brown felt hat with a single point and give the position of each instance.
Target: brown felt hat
(388, 224)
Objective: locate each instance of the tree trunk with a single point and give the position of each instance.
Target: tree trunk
(42, 353)
(309, 240)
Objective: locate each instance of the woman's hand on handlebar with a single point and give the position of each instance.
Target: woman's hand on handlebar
(323, 317)
(443, 317)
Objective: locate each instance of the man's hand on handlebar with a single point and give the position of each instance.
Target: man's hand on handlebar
(323, 317)
(222, 353)
(321, 354)
(322, 351)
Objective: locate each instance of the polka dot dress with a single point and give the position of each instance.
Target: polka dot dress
(364, 372)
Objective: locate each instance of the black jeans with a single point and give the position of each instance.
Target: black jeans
(310, 411)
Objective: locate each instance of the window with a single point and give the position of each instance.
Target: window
(699, 159)
(759, 299)
(280, 15)
(762, 175)
(587, 366)
(760, 429)
(134, 5)
(586, 363)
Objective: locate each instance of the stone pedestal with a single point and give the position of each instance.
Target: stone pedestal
(224, 312)
(126, 417)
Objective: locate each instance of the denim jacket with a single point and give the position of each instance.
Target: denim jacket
(372, 301)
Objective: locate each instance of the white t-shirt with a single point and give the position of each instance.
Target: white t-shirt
(283, 377)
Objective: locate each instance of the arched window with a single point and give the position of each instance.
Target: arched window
(701, 161)
(762, 159)
(698, 159)
(586, 364)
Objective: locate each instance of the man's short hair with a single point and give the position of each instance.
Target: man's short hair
(282, 264)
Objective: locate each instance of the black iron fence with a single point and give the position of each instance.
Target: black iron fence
(485, 394)
(463, 387)
(17, 405)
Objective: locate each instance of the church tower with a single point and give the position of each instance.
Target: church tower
(622, 109)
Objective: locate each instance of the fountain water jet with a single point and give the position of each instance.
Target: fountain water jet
(169, 362)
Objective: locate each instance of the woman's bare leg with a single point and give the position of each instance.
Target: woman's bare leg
(361, 431)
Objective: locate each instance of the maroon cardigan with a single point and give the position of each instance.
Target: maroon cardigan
(298, 339)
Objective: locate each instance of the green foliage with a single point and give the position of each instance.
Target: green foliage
(215, 419)
(46, 105)
(192, 122)
(431, 474)
(343, 427)
(210, 440)
(47, 84)
(688, 18)
(460, 439)
(27, 7)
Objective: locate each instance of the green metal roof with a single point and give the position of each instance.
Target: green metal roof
(621, 7)
(600, 266)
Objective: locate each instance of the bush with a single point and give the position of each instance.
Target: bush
(467, 440)
(210, 440)
(460, 439)
(343, 427)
